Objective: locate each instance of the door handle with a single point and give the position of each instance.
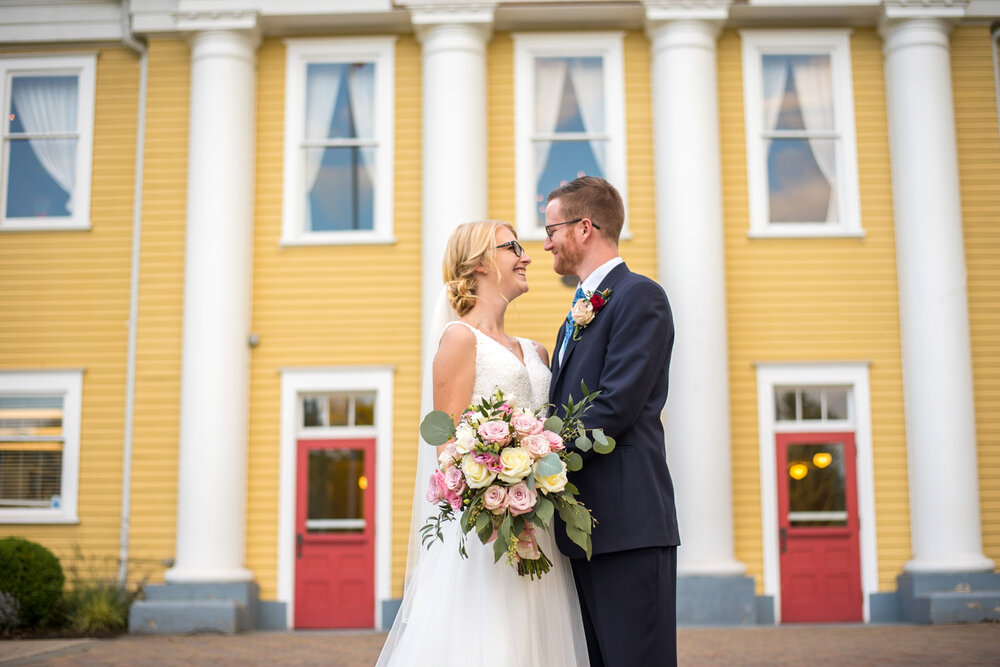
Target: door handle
(298, 545)
(783, 535)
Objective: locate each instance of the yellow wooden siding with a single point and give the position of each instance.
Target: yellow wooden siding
(161, 308)
(815, 300)
(65, 305)
(332, 306)
(537, 315)
(979, 171)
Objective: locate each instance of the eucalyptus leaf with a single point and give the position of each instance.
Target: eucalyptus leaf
(554, 424)
(499, 549)
(604, 444)
(579, 538)
(482, 519)
(550, 465)
(583, 443)
(574, 462)
(437, 428)
(544, 509)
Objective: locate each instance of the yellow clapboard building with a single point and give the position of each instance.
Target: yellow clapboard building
(221, 232)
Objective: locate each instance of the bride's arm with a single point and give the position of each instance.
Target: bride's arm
(543, 354)
(454, 372)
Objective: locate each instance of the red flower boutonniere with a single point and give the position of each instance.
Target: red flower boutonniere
(585, 309)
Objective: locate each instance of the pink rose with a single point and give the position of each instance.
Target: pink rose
(454, 480)
(525, 424)
(537, 445)
(521, 499)
(495, 499)
(506, 408)
(454, 500)
(495, 431)
(488, 459)
(437, 489)
(555, 442)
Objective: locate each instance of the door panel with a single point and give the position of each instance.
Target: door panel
(335, 545)
(818, 528)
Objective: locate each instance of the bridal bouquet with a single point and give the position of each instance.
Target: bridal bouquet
(503, 472)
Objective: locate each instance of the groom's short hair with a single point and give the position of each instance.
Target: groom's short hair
(592, 197)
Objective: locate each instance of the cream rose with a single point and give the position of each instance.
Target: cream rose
(446, 458)
(583, 312)
(465, 438)
(476, 474)
(515, 464)
(552, 483)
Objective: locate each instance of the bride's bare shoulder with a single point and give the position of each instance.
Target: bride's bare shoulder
(543, 354)
(457, 335)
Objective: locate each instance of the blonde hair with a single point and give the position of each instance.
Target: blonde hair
(471, 245)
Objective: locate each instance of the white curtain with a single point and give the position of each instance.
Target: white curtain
(814, 85)
(361, 81)
(48, 104)
(550, 79)
(587, 76)
(322, 86)
(775, 80)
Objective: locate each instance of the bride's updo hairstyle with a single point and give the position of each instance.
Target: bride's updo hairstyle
(471, 244)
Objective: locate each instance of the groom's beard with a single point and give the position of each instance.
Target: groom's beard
(567, 260)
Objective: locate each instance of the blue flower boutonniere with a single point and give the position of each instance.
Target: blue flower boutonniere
(585, 309)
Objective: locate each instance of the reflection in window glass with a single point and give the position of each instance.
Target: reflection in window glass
(31, 444)
(836, 404)
(336, 486)
(364, 410)
(816, 482)
(312, 412)
(784, 404)
(339, 406)
(812, 407)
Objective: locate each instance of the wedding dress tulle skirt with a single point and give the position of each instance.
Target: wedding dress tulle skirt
(458, 612)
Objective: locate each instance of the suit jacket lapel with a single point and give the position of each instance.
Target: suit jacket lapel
(609, 281)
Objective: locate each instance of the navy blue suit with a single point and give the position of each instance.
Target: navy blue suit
(628, 589)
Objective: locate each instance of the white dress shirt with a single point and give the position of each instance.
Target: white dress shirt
(590, 285)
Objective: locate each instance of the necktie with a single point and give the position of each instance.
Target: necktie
(569, 323)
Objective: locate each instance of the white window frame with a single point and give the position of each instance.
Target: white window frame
(299, 54)
(527, 47)
(853, 376)
(296, 382)
(84, 66)
(68, 384)
(835, 43)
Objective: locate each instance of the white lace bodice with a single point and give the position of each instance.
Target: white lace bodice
(526, 385)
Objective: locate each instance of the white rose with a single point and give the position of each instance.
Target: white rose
(583, 312)
(515, 464)
(446, 458)
(553, 483)
(465, 438)
(476, 474)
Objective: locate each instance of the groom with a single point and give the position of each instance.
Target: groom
(622, 347)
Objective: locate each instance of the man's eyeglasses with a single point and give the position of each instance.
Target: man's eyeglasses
(550, 229)
(513, 245)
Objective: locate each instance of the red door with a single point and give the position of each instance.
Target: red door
(818, 528)
(335, 534)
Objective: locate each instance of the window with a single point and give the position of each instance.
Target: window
(47, 138)
(811, 404)
(338, 409)
(339, 111)
(801, 152)
(569, 117)
(39, 446)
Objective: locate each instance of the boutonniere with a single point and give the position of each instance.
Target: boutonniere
(585, 309)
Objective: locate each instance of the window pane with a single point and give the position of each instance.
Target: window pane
(336, 485)
(340, 100)
(340, 193)
(784, 404)
(811, 406)
(569, 95)
(564, 161)
(30, 478)
(816, 482)
(312, 411)
(42, 104)
(798, 93)
(836, 404)
(364, 410)
(40, 178)
(30, 416)
(339, 410)
(800, 189)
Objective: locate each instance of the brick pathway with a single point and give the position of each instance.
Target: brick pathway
(809, 646)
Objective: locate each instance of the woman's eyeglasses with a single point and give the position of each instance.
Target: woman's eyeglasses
(513, 245)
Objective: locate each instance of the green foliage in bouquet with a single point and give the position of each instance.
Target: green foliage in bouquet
(514, 534)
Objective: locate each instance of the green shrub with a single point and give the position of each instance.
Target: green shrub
(33, 577)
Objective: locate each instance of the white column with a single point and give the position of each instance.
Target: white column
(212, 487)
(933, 308)
(454, 138)
(690, 262)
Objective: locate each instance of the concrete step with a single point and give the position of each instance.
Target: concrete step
(188, 616)
(957, 607)
(933, 598)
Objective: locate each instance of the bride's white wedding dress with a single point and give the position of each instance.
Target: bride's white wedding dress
(457, 611)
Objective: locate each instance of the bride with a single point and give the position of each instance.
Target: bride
(473, 611)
